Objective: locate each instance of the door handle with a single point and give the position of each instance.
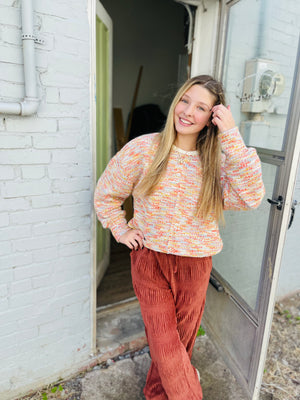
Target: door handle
(216, 284)
(278, 203)
(295, 202)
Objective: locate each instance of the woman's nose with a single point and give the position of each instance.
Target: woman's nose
(189, 109)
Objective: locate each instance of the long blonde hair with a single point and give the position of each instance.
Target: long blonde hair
(208, 147)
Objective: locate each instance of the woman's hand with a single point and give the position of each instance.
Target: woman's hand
(222, 117)
(133, 239)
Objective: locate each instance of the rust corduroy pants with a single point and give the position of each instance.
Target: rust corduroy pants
(171, 291)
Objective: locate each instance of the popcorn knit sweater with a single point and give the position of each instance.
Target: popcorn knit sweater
(167, 217)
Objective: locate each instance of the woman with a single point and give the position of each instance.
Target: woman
(181, 180)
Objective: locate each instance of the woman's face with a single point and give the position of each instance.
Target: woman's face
(193, 111)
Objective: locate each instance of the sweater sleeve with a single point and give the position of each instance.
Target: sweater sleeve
(241, 175)
(115, 185)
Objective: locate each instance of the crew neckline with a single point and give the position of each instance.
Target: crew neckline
(189, 153)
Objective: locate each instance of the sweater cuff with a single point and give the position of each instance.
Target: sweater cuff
(118, 231)
(232, 141)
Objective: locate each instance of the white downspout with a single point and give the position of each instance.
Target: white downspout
(30, 103)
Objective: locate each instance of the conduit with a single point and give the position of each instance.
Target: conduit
(30, 103)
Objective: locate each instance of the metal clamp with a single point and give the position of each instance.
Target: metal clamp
(28, 36)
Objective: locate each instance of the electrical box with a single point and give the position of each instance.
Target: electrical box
(262, 81)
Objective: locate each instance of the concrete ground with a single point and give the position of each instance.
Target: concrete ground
(123, 330)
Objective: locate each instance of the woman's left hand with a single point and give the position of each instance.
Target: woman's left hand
(222, 117)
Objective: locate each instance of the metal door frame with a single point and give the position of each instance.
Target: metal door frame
(277, 228)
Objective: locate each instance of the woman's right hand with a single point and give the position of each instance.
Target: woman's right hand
(133, 239)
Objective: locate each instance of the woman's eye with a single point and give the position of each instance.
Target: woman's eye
(184, 101)
(201, 108)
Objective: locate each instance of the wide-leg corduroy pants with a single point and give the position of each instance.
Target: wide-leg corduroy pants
(171, 291)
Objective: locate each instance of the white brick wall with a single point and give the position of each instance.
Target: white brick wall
(45, 199)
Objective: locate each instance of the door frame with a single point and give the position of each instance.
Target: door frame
(94, 7)
(285, 184)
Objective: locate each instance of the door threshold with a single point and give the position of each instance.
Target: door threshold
(119, 304)
(120, 329)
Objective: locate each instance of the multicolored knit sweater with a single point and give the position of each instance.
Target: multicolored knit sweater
(167, 217)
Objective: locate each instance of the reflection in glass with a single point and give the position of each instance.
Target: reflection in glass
(259, 64)
(244, 236)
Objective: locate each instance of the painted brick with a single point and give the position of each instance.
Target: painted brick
(37, 215)
(12, 91)
(66, 45)
(2, 122)
(14, 189)
(52, 95)
(15, 260)
(8, 2)
(3, 290)
(12, 73)
(5, 248)
(80, 170)
(8, 329)
(31, 124)
(74, 263)
(58, 110)
(8, 340)
(41, 281)
(55, 199)
(6, 274)
(76, 235)
(3, 305)
(26, 156)
(55, 141)
(70, 124)
(14, 204)
(69, 28)
(74, 248)
(32, 297)
(58, 226)
(10, 16)
(85, 196)
(71, 185)
(58, 171)
(21, 286)
(71, 156)
(52, 78)
(14, 315)
(50, 8)
(10, 54)
(36, 172)
(4, 219)
(41, 242)
(28, 271)
(50, 253)
(72, 96)
(72, 286)
(15, 232)
(14, 142)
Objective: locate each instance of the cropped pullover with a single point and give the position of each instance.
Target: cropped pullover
(167, 217)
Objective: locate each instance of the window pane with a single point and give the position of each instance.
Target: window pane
(259, 66)
(244, 236)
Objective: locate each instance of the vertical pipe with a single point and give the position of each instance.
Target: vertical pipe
(28, 49)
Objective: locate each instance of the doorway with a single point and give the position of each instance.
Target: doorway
(149, 60)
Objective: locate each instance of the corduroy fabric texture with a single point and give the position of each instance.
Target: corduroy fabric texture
(171, 290)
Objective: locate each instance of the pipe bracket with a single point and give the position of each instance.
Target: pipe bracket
(28, 36)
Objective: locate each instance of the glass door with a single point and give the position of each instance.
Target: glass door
(258, 62)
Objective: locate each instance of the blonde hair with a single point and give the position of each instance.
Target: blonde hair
(208, 147)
